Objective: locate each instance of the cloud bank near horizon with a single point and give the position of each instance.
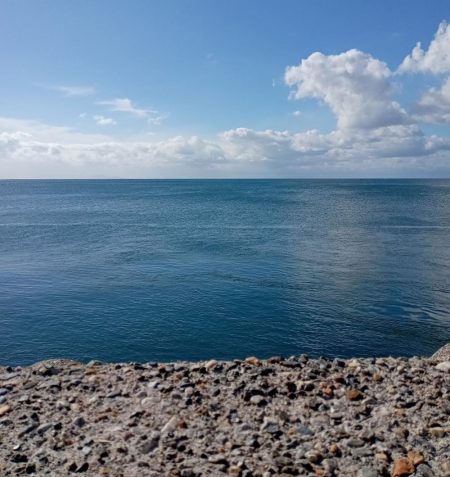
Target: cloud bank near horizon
(375, 135)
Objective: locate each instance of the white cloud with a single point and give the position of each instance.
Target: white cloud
(434, 106)
(125, 105)
(31, 149)
(104, 121)
(75, 90)
(354, 85)
(296, 113)
(434, 60)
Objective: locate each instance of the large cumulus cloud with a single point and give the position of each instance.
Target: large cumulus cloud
(355, 85)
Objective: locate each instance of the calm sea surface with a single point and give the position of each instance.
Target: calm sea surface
(164, 270)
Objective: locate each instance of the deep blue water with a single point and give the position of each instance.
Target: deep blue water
(165, 270)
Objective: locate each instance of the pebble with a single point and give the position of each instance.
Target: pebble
(444, 366)
(44, 427)
(252, 360)
(355, 442)
(304, 430)
(211, 364)
(4, 409)
(170, 425)
(8, 376)
(354, 395)
(147, 402)
(402, 467)
(270, 426)
(79, 421)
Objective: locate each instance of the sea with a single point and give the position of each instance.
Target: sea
(164, 270)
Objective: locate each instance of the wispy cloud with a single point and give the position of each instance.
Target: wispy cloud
(126, 105)
(104, 121)
(72, 91)
(212, 59)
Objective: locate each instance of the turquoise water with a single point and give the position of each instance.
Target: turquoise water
(164, 270)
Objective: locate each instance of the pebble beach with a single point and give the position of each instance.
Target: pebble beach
(245, 418)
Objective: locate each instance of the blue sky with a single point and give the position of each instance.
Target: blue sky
(199, 88)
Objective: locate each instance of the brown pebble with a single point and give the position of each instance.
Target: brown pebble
(181, 424)
(402, 467)
(4, 409)
(415, 457)
(354, 395)
(252, 360)
(377, 377)
(334, 449)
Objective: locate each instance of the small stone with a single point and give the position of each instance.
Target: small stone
(270, 426)
(328, 391)
(355, 442)
(86, 450)
(4, 409)
(446, 468)
(313, 456)
(377, 377)
(304, 430)
(353, 363)
(114, 394)
(218, 459)
(381, 456)
(170, 426)
(187, 473)
(93, 363)
(354, 395)
(437, 431)
(3, 391)
(181, 424)
(147, 402)
(334, 449)
(415, 457)
(211, 364)
(444, 366)
(79, 421)
(252, 360)
(44, 427)
(151, 444)
(257, 399)
(402, 467)
(8, 376)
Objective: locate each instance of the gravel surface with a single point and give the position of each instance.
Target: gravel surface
(277, 417)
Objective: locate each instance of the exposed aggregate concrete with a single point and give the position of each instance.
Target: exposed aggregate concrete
(277, 417)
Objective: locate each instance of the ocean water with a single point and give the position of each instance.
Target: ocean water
(148, 270)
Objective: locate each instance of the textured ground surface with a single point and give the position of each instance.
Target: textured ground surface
(280, 417)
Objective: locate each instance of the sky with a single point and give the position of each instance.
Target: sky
(224, 89)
